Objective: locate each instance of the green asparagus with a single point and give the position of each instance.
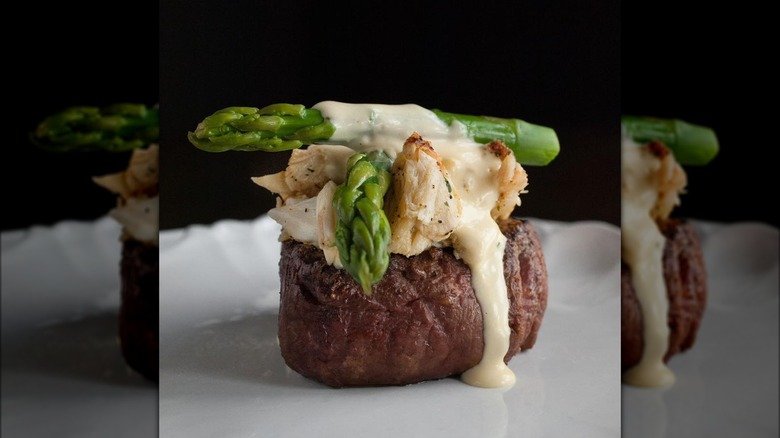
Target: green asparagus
(116, 128)
(362, 230)
(285, 126)
(277, 127)
(691, 144)
(533, 145)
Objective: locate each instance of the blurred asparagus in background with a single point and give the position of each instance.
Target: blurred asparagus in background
(116, 128)
(691, 144)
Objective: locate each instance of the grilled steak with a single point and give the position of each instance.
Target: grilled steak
(139, 312)
(421, 322)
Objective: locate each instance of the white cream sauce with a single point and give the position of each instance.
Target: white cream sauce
(478, 239)
(365, 127)
(642, 249)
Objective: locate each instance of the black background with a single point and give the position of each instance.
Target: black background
(709, 65)
(69, 54)
(565, 66)
(536, 60)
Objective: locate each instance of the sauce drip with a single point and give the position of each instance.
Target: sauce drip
(642, 247)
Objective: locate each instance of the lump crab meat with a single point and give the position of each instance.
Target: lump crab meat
(422, 207)
(670, 180)
(307, 172)
(140, 178)
(512, 180)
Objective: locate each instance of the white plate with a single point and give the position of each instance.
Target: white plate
(727, 384)
(62, 370)
(221, 373)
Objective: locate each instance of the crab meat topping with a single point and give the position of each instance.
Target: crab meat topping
(422, 206)
(307, 172)
(670, 180)
(512, 181)
(140, 178)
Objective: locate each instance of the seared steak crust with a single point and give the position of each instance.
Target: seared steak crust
(421, 322)
(139, 313)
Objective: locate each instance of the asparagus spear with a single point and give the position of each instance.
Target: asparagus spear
(285, 126)
(363, 231)
(691, 144)
(277, 127)
(116, 128)
(533, 145)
